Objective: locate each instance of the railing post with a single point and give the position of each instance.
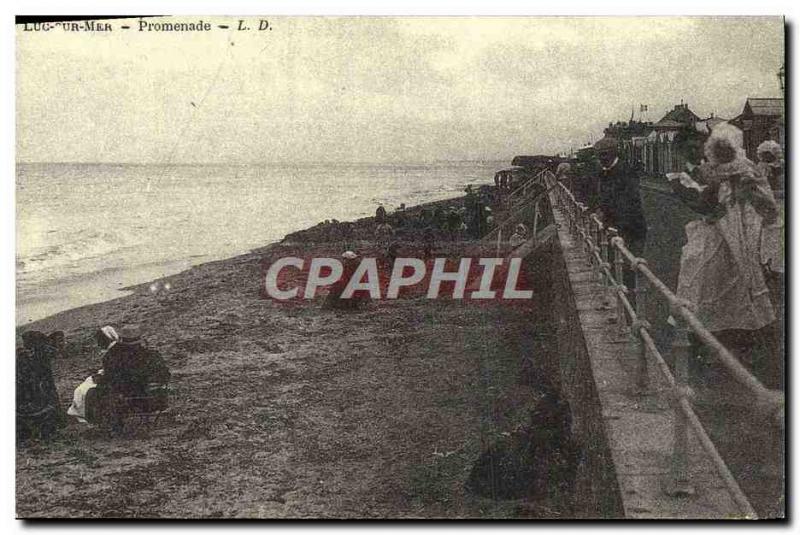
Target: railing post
(620, 286)
(587, 224)
(576, 210)
(585, 233)
(594, 235)
(642, 378)
(640, 350)
(679, 484)
(570, 211)
(603, 238)
(641, 293)
(608, 285)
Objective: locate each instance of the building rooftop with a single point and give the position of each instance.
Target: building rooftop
(764, 106)
(679, 114)
(669, 123)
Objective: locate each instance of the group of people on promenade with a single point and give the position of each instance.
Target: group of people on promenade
(731, 268)
(133, 378)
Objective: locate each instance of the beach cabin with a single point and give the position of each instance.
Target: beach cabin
(514, 175)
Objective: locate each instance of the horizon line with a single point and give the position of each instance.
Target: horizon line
(276, 162)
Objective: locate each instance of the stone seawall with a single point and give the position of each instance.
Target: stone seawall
(596, 488)
(625, 430)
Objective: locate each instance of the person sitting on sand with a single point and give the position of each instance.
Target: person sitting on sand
(130, 370)
(38, 414)
(106, 338)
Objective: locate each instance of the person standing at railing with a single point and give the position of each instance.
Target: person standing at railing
(688, 185)
(770, 165)
(586, 174)
(619, 203)
(564, 174)
(720, 275)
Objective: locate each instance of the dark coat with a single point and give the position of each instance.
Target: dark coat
(620, 202)
(128, 368)
(37, 411)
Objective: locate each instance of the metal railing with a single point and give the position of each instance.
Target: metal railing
(523, 189)
(608, 255)
(515, 204)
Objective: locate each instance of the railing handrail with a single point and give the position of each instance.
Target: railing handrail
(517, 206)
(685, 405)
(577, 216)
(679, 307)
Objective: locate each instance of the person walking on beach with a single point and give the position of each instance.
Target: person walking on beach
(619, 204)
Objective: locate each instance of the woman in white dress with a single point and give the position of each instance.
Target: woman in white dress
(721, 274)
(106, 337)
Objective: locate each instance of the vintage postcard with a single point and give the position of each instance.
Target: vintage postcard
(275, 267)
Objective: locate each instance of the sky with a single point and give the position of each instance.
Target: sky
(376, 89)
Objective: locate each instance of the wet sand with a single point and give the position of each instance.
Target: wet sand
(293, 410)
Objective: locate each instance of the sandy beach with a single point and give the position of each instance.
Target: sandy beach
(294, 410)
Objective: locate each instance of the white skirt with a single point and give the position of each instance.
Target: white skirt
(78, 407)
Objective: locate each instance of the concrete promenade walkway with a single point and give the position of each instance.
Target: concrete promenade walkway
(639, 425)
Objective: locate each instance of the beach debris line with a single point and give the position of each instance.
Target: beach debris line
(497, 281)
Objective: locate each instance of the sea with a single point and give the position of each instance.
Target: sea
(85, 232)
